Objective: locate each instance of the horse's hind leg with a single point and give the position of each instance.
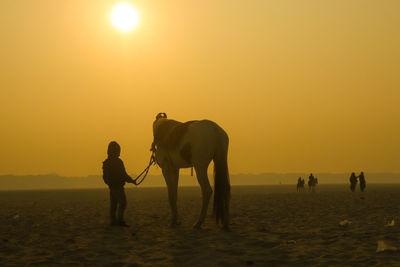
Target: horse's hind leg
(202, 177)
(171, 177)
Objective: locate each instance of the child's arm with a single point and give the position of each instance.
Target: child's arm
(125, 175)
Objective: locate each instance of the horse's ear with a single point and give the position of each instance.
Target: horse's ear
(161, 115)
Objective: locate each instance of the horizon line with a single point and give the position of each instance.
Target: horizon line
(255, 174)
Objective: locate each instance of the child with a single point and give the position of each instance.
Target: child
(115, 176)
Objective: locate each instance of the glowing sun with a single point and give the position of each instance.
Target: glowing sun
(124, 17)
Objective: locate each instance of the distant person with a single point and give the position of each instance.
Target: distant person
(363, 184)
(353, 182)
(115, 176)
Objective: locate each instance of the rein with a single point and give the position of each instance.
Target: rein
(146, 170)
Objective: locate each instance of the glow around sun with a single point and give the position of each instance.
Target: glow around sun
(124, 17)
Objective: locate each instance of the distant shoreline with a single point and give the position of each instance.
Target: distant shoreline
(320, 187)
(54, 181)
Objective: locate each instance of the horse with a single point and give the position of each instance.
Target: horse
(300, 185)
(194, 144)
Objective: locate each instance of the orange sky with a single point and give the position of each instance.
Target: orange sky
(298, 85)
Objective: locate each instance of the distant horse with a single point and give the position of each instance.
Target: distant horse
(194, 144)
(300, 185)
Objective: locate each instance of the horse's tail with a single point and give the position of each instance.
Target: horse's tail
(222, 187)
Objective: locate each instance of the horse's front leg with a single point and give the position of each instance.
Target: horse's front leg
(202, 177)
(171, 176)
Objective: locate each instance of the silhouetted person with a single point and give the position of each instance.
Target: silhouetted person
(353, 182)
(363, 184)
(115, 176)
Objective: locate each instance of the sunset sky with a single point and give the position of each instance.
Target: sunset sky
(299, 86)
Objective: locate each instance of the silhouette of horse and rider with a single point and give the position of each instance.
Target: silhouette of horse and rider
(312, 183)
(300, 185)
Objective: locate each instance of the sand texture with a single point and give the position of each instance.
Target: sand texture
(271, 225)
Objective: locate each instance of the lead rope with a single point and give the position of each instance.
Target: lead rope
(145, 171)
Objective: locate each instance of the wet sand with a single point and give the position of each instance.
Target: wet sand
(271, 225)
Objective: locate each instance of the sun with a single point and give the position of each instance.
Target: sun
(124, 17)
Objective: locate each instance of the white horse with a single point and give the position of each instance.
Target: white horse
(194, 144)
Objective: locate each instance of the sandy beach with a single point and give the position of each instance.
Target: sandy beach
(270, 225)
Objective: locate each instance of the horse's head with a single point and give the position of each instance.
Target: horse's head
(161, 115)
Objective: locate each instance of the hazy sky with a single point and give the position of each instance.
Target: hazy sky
(299, 85)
